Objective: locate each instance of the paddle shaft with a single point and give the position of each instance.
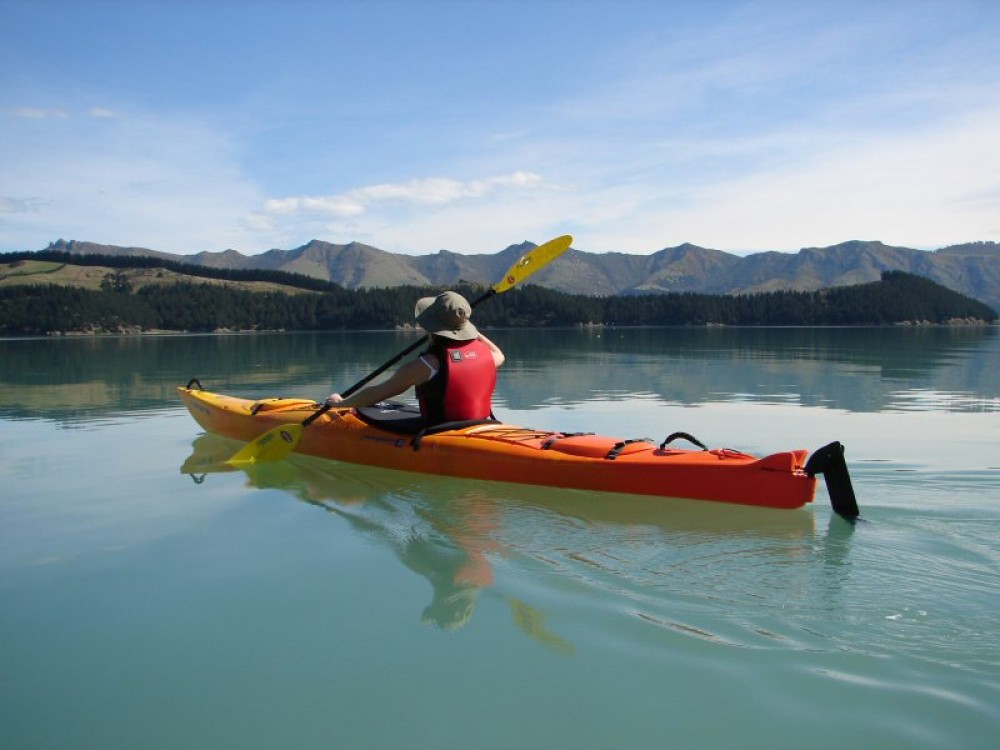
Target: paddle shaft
(374, 374)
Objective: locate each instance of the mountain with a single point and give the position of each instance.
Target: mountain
(972, 269)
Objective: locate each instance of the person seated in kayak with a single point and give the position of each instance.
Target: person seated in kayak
(454, 377)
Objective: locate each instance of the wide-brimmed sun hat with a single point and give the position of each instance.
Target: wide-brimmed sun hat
(446, 315)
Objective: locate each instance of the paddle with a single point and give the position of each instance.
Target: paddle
(278, 442)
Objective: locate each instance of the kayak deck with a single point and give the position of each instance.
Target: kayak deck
(391, 437)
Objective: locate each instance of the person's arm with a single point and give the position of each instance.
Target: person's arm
(498, 356)
(411, 374)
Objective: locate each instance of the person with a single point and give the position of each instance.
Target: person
(454, 377)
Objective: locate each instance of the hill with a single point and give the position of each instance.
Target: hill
(972, 269)
(203, 305)
(134, 272)
(97, 277)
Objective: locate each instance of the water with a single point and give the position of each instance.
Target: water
(151, 601)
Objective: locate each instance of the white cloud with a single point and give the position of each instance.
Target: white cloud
(926, 188)
(424, 215)
(39, 113)
(10, 205)
(336, 205)
(433, 191)
(417, 216)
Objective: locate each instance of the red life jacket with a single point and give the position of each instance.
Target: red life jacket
(463, 386)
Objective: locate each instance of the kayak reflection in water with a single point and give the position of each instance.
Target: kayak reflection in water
(441, 535)
(451, 555)
(454, 377)
(437, 527)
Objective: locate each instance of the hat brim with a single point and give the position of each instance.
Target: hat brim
(468, 332)
(432, 318)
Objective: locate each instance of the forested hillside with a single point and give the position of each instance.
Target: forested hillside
(34, 309)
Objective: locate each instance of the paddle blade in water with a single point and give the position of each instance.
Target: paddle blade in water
(273, 445)
(532, 261)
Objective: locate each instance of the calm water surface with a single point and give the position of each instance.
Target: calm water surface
(148, 599)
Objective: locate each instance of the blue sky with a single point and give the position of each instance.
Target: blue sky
(416, 126)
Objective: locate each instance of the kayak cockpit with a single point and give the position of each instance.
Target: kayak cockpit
(405, 419)
(402, 419)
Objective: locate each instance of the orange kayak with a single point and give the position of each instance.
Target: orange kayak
(388, 435)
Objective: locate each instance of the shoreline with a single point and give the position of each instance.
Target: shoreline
(914, 324)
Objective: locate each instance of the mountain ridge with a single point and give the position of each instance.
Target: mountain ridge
(971, 268)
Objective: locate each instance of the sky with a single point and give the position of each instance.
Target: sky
(469, 125)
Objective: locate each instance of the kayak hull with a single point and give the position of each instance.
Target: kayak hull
(508, 453)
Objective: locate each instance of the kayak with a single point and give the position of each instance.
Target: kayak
(393, 436)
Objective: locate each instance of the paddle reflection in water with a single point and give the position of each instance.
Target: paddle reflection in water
(652, 554)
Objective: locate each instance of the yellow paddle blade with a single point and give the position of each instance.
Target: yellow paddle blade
(532, 261)
(273, 445)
